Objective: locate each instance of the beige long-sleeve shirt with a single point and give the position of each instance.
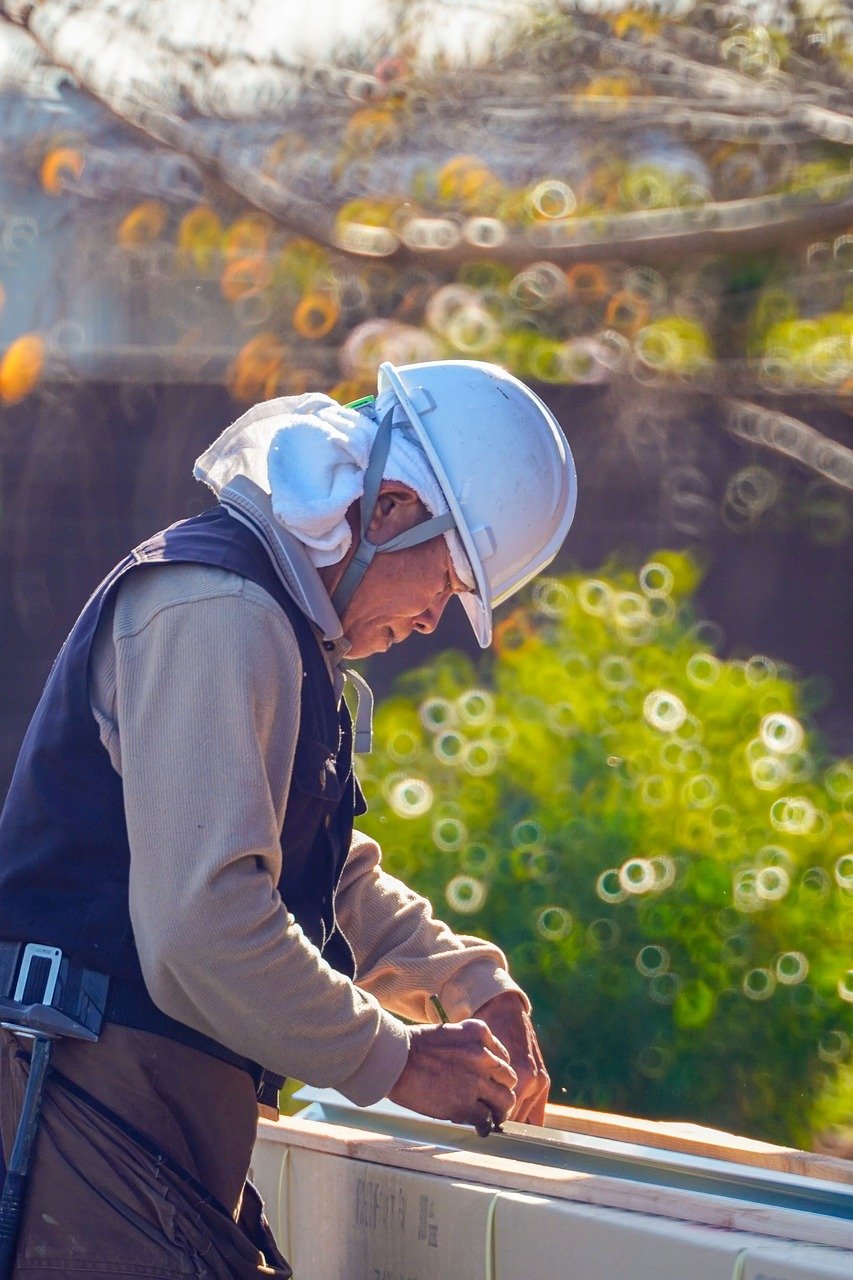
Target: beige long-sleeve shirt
(194, 682)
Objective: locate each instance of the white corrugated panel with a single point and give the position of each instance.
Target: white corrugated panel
(339, 1218)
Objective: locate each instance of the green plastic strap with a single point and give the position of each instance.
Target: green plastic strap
(489, 1262)
(359, 404)
(740, 1263)
(283, 1203)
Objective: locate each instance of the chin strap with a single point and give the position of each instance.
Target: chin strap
(363, 558)
(365, 551)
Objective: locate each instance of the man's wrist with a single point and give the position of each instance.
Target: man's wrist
(504, 998)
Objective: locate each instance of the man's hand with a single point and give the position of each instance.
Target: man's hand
(509, 1021)
(459, 1072)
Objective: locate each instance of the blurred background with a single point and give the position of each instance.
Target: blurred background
(645, 210)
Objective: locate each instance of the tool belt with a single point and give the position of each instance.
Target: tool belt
(44, 991)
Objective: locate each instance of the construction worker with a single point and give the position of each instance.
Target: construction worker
(177, 841)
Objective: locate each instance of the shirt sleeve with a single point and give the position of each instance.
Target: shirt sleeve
(404, 955)
(196, 688)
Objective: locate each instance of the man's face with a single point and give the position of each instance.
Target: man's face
(402, 591)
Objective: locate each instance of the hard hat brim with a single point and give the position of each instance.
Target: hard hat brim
(479, 617)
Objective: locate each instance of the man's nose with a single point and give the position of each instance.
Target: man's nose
(428, 620)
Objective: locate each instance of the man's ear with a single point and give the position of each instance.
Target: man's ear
(397, 509)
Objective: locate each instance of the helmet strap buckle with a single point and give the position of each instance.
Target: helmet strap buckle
(421, 401)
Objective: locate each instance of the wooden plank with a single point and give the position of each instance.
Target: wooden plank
(564, 1184)
(694, 1139)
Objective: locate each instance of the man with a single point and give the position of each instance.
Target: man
(180, 820)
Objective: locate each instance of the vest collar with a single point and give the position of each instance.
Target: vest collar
(248, 503)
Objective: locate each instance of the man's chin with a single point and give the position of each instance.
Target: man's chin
(390, 637)
(380, 643)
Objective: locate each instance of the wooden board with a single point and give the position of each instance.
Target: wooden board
(694, 1139)
(566, 1184)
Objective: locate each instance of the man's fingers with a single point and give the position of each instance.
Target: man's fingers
(457, 1072)
(530, 1108)
(486, 1037)
(500, 1071)
(488, 1059)
(508, 1019)
(487, 1121)
(497, 1097)
(521, 1114)
(531, 1091)
(532, 1094)
(473, 1074)
(491, 1107)
(536, 1113)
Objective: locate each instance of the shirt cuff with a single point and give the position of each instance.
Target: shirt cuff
(478, 982)
(382, 1067)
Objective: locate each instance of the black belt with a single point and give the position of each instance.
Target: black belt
(59, 996)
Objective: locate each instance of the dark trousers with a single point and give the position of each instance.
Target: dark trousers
(140, 1163)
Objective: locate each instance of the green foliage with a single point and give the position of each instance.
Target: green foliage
(654, 837)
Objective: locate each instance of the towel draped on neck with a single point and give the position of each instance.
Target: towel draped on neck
(310, 454)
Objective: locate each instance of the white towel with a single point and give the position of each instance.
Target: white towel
(310, 454)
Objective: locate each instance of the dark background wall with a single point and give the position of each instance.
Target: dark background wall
(89, 469)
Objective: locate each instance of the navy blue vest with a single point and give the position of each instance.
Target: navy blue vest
(64, 853)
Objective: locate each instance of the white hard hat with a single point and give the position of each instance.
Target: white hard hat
(503, 465)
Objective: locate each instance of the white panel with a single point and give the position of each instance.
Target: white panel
(350, 1219)
(268, 1171)
(770, 1260)
(342, 1219)
(552, 1240)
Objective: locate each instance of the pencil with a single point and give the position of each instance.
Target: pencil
(483, 1127)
